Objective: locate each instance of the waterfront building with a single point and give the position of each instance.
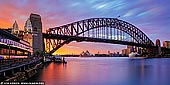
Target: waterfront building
(11, 46)
(128, 50)
(159, 46)
(158, 43)
(101, 55)
(125, 51)
(25, 36)
(86, 54)
(166, 44)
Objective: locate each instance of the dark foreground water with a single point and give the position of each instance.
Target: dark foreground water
(106, 71)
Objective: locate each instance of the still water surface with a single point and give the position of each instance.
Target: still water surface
(106, 71)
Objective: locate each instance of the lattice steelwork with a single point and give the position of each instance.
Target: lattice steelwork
(109, 30)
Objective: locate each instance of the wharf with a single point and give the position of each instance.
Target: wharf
(20, 70)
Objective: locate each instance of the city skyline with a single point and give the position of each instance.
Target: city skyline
(149, 16)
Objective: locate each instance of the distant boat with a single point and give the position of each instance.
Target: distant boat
(58, 59)
(133, 54)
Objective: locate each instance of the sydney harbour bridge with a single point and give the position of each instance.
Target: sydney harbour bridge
(105, 30)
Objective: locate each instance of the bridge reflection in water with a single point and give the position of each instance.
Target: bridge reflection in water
(106, 71)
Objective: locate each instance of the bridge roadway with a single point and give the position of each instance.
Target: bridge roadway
(90, 39)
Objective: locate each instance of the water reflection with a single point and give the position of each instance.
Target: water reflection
(106, 71)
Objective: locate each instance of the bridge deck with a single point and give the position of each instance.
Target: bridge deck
(90, 39)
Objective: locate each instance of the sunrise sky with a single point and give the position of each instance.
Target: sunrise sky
(151, 16)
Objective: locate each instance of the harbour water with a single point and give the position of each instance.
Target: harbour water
(106, 71)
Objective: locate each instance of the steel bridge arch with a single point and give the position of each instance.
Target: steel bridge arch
(55, 36)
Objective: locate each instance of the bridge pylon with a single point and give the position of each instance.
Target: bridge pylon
(37, 42)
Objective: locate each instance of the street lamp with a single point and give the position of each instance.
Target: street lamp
(9, 45)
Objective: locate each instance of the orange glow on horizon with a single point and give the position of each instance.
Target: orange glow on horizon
(79, 47)
(5, 24)
(63, 51)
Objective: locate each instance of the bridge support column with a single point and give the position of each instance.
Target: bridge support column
(38, 43)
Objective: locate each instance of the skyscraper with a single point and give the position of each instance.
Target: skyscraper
(15, 29)
(158, 43)
(166, 44)
(28, 26)
(28, 31)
